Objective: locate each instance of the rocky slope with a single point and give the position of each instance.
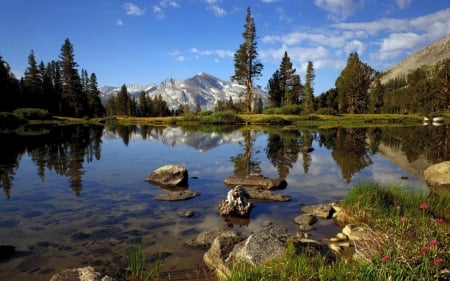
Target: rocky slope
(429, 55)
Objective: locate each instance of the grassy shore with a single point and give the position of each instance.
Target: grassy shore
(312, 120)
(410, 240)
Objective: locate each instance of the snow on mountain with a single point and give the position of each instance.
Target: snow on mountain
(202, 89)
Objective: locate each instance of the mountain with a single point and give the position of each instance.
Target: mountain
(430, 55)
(202, 89)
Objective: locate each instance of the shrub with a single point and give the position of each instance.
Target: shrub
(32, 114)
(222, 117)
(326, 111)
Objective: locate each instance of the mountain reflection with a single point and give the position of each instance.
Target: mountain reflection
(64, 150)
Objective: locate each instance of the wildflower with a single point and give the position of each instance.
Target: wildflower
(425, 249)
(404, 219)
(438, 261)
(440, 221)
(386, 258)
(423, 206)
(434, 243)
(398, 207)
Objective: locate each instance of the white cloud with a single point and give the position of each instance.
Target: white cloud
(169, 3)
(338, 9)
(119, 22)
(132, 9)
(213, 5)
(402, 4)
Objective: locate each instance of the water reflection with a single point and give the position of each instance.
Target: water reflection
(60, 149)
(64, 149)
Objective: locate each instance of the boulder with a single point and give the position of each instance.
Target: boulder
(82, 274)
(324, 211)
(236, 202)
(220, 248)
(438, 175)
(169, 176)
(260, 193)
(263, 245)
(177, 195)
(207, 237)
(256, 180)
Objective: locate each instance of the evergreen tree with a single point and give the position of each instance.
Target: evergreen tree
(352, 85)
(123, 102)
(32, 82)
(443, 81)
(287, 75)
(74, 100)
(93, 96)
(9, 88)
(275, 92)
(376, 97)
(143, 107)
(259, 106)
(308, 102)
(246, 63)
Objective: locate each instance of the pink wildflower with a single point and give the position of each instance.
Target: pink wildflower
(404, 219)
(425, 249)
(440, 221)
(438, 261)
(386, 258)
(398, 207)
(423, 206)
(434, 243)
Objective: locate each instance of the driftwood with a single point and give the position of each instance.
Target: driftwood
(236, 202)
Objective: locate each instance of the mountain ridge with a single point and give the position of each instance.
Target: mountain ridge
(429, 55)
(201, 89)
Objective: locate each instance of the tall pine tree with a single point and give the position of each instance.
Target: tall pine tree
(308, 101)
(74, 99)
(246, 63)
(353, 84)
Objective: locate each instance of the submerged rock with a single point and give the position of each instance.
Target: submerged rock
(177, 195)
(256, 180)
(82, 274)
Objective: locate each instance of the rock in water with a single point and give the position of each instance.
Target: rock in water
(236, 202)
(169, 176)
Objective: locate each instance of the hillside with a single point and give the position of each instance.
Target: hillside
(429, 55)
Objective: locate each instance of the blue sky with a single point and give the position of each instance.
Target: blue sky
(143, 41)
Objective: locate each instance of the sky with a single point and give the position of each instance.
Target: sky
(137, 42)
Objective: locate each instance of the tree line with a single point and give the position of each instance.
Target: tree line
(57, 87)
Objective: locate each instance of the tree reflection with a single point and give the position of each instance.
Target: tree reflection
(243, 163)
(282, 150)
(62, 150)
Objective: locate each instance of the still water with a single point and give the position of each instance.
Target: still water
(76, 196)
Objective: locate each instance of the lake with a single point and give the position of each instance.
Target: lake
(76, 195)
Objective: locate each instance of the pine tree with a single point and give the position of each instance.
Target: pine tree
(9, 88)
(376, 97)
(287, 81)
(74, 100)
(352, 85)
(246, 63)
(308, 102)
(96, 108)
(275, 92)
(32, 82)
(123, 102)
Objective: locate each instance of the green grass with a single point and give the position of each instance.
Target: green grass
(411, 241)
(137, 267)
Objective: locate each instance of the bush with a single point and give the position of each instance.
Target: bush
(32, 114)
(222, 117)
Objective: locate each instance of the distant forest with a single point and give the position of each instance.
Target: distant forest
(59, 88)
